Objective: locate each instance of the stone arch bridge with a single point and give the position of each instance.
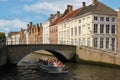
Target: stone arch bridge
(62, 52)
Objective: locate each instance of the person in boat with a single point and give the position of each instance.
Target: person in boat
(53, 63)
(59, 64)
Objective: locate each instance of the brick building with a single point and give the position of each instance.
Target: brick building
(35, 33)
(119, 30)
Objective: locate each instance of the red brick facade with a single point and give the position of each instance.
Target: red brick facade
(35, 34)
(119, 30)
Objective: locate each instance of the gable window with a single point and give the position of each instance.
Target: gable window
(107, 28)
(107, 18)
(113, 29)
(95, 18)
(101, 18)
(101, 28)
(95, 28)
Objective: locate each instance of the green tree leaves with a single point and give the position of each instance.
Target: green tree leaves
(2, 36)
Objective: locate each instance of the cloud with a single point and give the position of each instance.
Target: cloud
(51, 6)
(11, 25)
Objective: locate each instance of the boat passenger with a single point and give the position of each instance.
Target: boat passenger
(59, 64)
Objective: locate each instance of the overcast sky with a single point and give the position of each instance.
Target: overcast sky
(16, 14)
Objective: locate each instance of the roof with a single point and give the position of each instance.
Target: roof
(98, 8)
(13, 33)
(69, 15)
(56, 21)
(65, 17)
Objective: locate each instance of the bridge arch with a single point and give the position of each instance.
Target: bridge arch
(62, 52)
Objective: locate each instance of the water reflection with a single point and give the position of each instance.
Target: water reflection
(91, 72)
(77, 71)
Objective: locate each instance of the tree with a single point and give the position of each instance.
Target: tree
(2, 36)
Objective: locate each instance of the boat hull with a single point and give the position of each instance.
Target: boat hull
(52, 69)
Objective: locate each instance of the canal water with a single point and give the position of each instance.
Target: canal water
(77, 71)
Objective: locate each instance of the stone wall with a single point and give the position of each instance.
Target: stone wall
(93, 55)
(17, 52)
(3, 56)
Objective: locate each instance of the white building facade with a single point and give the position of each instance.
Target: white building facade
(93, 28)
(46, 32)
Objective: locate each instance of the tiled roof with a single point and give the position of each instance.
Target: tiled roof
(98, 8)
(56, 21)
(13, 33)
(70, 15)
(65, 17)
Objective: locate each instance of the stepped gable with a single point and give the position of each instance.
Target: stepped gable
(97, 8)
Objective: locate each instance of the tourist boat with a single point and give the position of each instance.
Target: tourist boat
(52, 69)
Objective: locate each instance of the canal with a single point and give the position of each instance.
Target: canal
(77, 71)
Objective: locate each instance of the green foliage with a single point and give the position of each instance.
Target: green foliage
(2, 36)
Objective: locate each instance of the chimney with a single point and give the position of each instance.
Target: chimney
(58, 13)
(69, 8)
(94, 2)
(37, 25)
(40, 24)
(51, 15)
(30, 24)
(83, 3)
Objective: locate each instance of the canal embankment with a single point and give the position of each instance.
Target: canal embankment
(3, 56)
(89, 55)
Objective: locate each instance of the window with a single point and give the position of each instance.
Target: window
(101, 42)
(95, 18)
(101, 28)
(101, 18)
(107, 43)
(79, 29)
(107, 18)
(79, 41)
(88, 41)
(107, 28)
(72, 41)
(79, 21)
(95, 42)
(113, 19)
(64, 25)
(95, 28)
(113, 29)
(88, 18)
(75, 41)
(75, 30)
(113, 44)
(71, 31)
(84, 41)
